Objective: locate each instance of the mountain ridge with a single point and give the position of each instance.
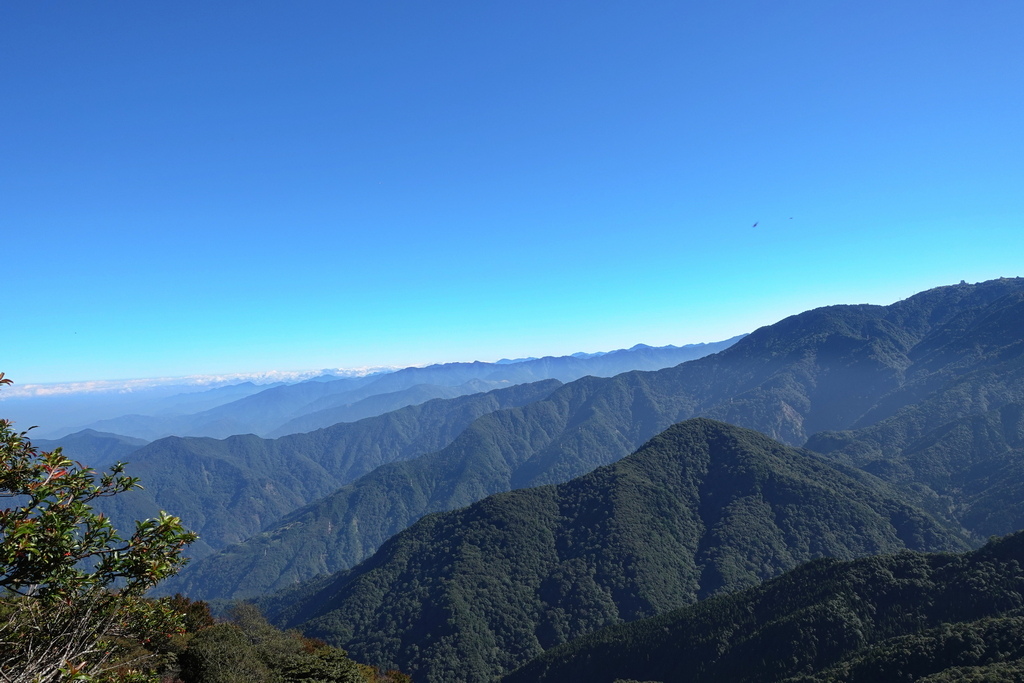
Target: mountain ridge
(266, 412)
(779, 380)
(909, 616)
(701, 508)
(229, 489)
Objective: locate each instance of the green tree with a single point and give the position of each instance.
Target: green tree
(71, 585)
(250, 650)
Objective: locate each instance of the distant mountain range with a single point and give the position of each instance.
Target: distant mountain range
(281, 475)
(321, 402)
(462, 537)
(59, 411)
(834, 368)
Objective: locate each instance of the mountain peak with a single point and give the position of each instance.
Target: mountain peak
(702, 508)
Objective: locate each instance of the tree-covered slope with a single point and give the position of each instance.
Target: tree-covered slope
(506, 449)
(378, 404)
(835, 368)
(94, 449)
(908, 616)
(229, 489)
(326, 410)
(702, 508)
(962, 443)
(970, 469)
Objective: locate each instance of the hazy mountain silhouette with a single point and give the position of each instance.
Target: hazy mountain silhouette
(320, 403)
(93, 449)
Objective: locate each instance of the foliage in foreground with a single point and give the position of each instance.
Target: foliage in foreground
(71, 606)
(249, 650)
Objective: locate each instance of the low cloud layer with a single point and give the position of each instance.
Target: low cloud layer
(191, 382)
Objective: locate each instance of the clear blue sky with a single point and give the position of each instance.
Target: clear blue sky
(199, 187)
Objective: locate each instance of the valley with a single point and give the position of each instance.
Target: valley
(521, 520)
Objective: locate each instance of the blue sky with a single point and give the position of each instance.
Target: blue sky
(216, 187)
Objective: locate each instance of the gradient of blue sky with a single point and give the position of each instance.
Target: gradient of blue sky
(200, 187)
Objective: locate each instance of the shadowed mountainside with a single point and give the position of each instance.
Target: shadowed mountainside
(94, 449)
(229, 489)
(702, 508)
(903, 617)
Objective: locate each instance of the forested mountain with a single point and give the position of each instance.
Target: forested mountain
(322, 402)
(970, 469)
(229, 489)
(702, 508)
(952, 353)
(903, 617)
(94, 449)
(962, 443)
(378, 404)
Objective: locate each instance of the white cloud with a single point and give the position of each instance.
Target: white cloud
(188, 383)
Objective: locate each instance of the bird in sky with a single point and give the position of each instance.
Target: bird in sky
(755, 224)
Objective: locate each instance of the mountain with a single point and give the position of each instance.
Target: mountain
(903, 617)
(323, 411)
(251, 413)
(378, 404)
(57, 411)
(962, 441)
(195, 401)
(608, 364)
(266, 413)
(229, 489)
(702, 508)
(93, 449)
(970, 469)
(832, 368)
